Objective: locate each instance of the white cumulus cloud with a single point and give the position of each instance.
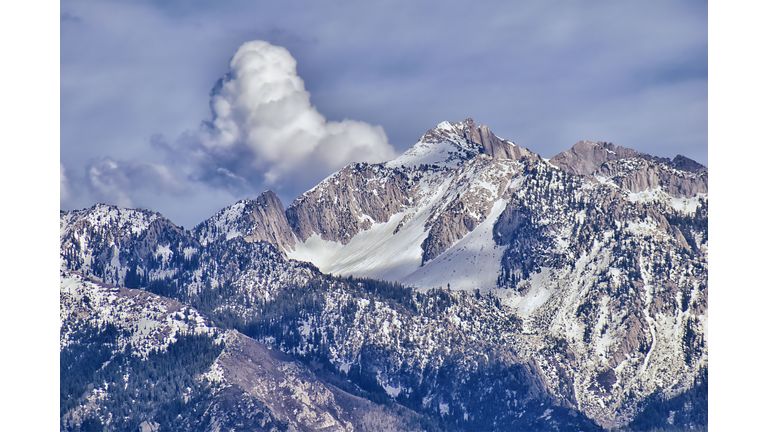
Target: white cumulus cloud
(263, 110)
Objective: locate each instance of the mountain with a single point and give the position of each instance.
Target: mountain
(153, 355)
(468, 284)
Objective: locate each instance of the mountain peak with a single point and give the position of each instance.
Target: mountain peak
(262, 219)
(685, 164)
(452, 144)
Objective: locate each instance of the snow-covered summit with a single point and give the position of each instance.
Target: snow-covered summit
(129, 221)
(452, 144)
(595, 263)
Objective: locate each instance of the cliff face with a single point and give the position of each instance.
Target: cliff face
(586, 156)
(480, 138)
(639, 174)
(262, 219)
(349, 202)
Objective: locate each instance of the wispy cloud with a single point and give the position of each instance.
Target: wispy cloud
(64, 187)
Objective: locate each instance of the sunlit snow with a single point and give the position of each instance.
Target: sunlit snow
(474, 262)
(538, 294)
(376, 252)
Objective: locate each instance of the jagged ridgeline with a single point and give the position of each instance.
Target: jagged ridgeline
(468, 284)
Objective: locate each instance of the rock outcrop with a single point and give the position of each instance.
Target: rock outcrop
(262, 219)
(348, 202)
(632, 170)
(586, 156)
(481, 139)
(638, 174)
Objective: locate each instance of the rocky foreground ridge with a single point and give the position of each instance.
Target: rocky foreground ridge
(560, 294)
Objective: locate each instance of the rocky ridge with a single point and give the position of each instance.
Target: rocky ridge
(633, 171)
(262, 219)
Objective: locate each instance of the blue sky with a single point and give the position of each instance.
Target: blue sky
(137, 80)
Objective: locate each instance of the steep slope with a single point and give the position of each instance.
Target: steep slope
(110, 243)
(137, 248)
(291, 394)
(262, 219)
(612, 284)
(423, 203)
(125, 352)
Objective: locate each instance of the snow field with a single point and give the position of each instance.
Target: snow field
(474, 262)
(376, 252)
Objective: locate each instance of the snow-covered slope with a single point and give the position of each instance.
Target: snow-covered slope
(448, 186)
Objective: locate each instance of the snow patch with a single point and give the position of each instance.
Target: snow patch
(393, 392)
(444, 408)
(705, 325)
(189, 252)
(163, 251)
(648, 195)
(688, 205)
(646, 227)
(451, 152)
(306, 327)
(215, 373)
(344, 366)
(537, 295)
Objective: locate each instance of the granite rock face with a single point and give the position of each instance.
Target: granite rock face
(586, 156)
(634, 171)
(262, 219)
(348, 202)
(640, 174)
(484, 140)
